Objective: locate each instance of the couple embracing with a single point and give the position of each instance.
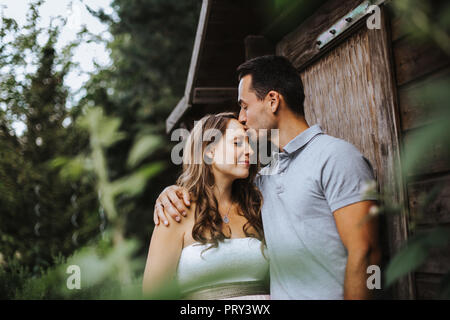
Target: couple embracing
(295, 229)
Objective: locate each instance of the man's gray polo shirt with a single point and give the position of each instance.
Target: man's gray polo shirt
(315, 175)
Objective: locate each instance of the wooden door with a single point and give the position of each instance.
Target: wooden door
(350, 91)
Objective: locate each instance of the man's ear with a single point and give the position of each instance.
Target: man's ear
(274, 100)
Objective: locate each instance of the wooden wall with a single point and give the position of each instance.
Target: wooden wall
(417, 65)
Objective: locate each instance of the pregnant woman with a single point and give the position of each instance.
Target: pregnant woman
(217, 251)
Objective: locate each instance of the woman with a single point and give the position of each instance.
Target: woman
(217, 251)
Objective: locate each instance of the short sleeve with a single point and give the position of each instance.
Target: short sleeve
(345, 175)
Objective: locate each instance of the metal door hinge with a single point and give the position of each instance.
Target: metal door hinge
(346, 22)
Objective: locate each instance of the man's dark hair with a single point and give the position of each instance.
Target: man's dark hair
(275, 73)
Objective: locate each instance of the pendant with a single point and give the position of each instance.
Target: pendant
(226, 220)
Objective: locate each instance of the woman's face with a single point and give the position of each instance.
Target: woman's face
(231, 155)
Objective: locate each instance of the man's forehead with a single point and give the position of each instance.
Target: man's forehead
(245, 92)
(240, 91)
(243, 98)
(244, 83)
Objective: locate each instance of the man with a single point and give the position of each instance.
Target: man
(314, 213)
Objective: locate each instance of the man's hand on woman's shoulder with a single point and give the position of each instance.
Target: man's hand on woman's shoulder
(173, 201)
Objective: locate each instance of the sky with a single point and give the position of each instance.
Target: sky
(77, 15)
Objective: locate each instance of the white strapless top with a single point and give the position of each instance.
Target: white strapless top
(238, 262)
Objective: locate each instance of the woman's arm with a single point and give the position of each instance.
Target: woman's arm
(162, 260)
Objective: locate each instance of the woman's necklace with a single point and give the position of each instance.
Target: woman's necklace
(225, 217)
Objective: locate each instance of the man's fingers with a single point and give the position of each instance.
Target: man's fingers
(170, 204)
(186, 197)
(178, 204)
(155, 216)
(160, 214)
(170, 210)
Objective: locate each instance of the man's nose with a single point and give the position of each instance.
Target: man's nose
(242, 117)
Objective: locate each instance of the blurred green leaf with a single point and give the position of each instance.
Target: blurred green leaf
(143, 147)
(71, 169)
(134, 184)
(405, 261)
(415, 253)
(435, 97)
(104, 129)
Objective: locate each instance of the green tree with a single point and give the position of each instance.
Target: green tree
(36, 205)
(150, 51)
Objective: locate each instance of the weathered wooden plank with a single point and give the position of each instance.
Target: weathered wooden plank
(181, 107)
(427, 285)
(414, 112)
(350, 92)
(214, 95)
(438, 261)
(429, 275)
(184, 103)
(436, 211)
(396, 23)
(436, 160)
(413, 60)
(198, 46)
(299, 46)
(397, 31)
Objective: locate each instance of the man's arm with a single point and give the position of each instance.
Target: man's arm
(359, 234)
(173, 201)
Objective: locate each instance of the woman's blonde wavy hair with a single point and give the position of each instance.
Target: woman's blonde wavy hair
(198, 179)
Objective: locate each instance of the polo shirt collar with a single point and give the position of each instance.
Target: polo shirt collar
(302, 139)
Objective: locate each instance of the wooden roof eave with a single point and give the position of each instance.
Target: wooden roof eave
(186, 101)
(293, 15)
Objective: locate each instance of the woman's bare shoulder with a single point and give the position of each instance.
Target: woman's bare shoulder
(182, 230)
